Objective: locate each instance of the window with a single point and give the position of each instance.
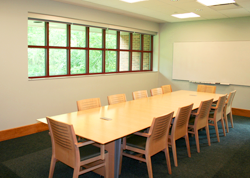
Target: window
(59, 49)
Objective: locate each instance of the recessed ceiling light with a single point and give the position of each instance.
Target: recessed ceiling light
(185, 15)
(133, 1)
(215, 2)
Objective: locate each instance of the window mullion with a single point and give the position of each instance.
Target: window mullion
(69, 51)
(130, 50)
(118, 52)
(87, 50)
(142, 41)
(103, 51)
(47, 47)
(151, 67)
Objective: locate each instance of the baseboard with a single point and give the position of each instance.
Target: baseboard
(241, 112)
(22, 131)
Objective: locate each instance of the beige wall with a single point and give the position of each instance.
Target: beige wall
(234, 29)
(24, 101)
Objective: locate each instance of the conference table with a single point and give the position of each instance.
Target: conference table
(108, 124)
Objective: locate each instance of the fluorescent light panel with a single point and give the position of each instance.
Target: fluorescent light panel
(185, 15)
(215, 2)
(132, 1)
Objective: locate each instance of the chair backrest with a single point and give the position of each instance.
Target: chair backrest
(114, 99)
(218, 114)
(206, 88)
(63, 141)
(88, 104)
(166, 88)
(156, 91)
(159, 131)
(140, 94)
(180, 125)
(201, 119)
(230, 101)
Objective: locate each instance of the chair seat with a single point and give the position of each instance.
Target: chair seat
(137, 141)
(89, 151)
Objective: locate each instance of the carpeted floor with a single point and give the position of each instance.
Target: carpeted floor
(29, 157)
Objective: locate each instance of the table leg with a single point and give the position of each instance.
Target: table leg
(117, 158)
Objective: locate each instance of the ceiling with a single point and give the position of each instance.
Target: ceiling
(160, 11)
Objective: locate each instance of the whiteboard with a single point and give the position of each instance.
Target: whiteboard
(212, 62)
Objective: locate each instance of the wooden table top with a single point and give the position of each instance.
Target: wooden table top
(128, 117)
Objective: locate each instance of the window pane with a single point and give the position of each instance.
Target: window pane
(78, 61)
(36, 64)
(136, 61)
(124, 40)
(124, 61)
(95, 61)
(147, 43)
(136, 41)
(36, 33)
(111, 61)
(95, 37)
(146, 61)
(111, 39)
(57, 62)
(78, 36)
(57, 34)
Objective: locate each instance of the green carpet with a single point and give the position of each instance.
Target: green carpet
(29, 157)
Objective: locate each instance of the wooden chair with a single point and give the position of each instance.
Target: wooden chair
(180, 129)
(140, 94)
(199, 120)
(66, 149)
(114, 99)
(166, 89)
(88, 104)
(228, 109)
(217, 115)
(150, 143)
(85, 105)
(156, 91)
(206, 88)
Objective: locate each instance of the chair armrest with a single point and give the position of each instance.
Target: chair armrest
(80, 144)
(143, 134)
(214, 108)
(194, 113)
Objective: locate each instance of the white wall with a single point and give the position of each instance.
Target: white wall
(235, 29)
(23, 101)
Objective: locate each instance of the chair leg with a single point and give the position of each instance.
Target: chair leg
(149, 166)
(174, 152)
(168, 160)
(223, 126)
(208, 135)
(188, 145)
(52, 166)
(197, 141)
(226, 122)
(217, 131)
(76, 172)
(231, 119)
